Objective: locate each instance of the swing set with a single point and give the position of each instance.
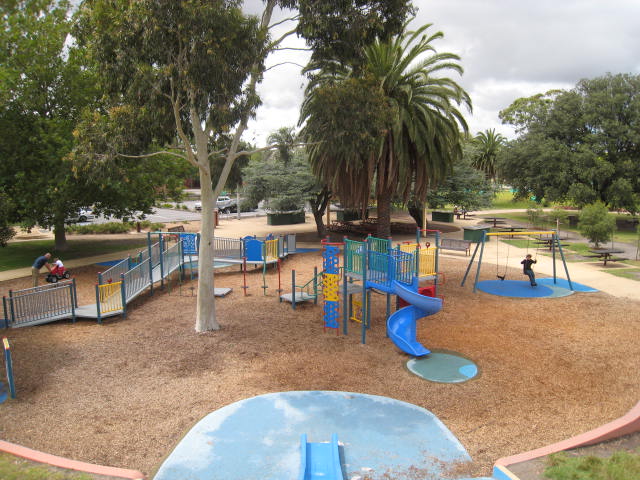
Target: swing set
(501, 275)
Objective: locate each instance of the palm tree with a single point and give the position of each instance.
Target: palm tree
(489, 144)
(392, 128)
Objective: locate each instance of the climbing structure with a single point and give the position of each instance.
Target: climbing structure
(330, 285)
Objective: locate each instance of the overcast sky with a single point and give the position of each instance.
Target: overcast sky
(509, 49)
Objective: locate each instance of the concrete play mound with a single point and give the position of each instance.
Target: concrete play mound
(443, 367)
(260, 438)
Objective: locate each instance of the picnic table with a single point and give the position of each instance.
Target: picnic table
(548, 242)
(511, 229)
(494, 220)
(606, 255)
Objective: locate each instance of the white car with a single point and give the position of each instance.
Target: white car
(224, 203)
(82, 215)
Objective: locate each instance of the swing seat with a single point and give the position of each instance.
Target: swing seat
(501, 277)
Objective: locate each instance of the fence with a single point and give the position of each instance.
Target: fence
(38, 304)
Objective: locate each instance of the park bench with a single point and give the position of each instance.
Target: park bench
(179, 228)
(456, 244)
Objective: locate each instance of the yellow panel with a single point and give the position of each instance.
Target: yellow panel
(110, 297)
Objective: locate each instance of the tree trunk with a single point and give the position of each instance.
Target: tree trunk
(206, 306)
(417, 213)
(60, 236)
(318, 207)
(384, 213)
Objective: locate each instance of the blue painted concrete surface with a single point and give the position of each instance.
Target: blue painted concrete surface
(259, 438)
(514, 288)
(443, 367)
(563, 283)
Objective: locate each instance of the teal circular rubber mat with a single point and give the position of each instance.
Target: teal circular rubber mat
(443, 367)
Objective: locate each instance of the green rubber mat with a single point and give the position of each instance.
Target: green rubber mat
(443, 367)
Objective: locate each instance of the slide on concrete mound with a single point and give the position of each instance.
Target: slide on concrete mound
(320, 460)
(401, 325)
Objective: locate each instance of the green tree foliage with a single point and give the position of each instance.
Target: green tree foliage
(284, 179)
(46, 85)
(581, 145)
(466, 187)
(488, 145)
(183, 74)
(6, 230)
(596, 224)
(405, 133)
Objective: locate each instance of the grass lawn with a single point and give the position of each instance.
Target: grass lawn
(504, 201)
(620, 466)
(15, 468)
(630, 273)
(22, 254)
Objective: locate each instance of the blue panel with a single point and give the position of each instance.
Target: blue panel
(253, 250)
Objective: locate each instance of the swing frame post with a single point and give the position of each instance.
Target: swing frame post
(554, 242)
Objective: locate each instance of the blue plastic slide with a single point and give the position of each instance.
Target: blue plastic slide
(320, 460)
(401, 325)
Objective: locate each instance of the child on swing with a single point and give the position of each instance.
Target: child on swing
(527, 270)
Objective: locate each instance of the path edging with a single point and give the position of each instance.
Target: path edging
(628, 423)
(61, 462)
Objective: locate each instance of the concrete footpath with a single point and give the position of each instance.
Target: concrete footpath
(588, 273)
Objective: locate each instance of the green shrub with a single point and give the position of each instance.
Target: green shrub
(596, 224)
(100, 228)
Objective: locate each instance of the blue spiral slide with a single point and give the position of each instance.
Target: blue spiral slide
(401, 325)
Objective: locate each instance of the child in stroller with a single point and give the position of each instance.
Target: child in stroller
(58, 272)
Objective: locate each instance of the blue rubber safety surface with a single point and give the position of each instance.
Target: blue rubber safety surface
(443, 367)
(563, 283)
(306, 250)
(259, 438)
(4, 392)
(514, 288)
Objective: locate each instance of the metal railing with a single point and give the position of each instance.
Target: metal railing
(227, 247)
(172, 258)
(354, 256)
(114, 272)
(136, 279)
(271, 250)
(40, 303)
(109, 297)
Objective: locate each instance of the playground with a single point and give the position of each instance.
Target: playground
(126, 392)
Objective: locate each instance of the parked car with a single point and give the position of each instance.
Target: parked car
(82, 215)
(224, 203)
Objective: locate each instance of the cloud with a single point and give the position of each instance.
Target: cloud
(509, 49)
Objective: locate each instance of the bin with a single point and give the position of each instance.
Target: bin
(442, 216)
(474, 233)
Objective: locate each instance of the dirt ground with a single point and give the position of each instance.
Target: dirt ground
(124, 393)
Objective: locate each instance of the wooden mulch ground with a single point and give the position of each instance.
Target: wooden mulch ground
(124, 393)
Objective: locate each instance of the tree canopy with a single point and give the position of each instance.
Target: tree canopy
(581, 145)
(403, 132)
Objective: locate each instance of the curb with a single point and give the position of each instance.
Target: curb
(61, 462)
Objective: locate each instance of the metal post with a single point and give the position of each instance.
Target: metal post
(564, 262)
(98, 303)
(123, 292)
(365, 306)
(475, 283)
(150, 262)
(6, 313)
(315, 285)
(161, 247)
(75, 293)
(437, 263)
(72, 296)
(553, 256)
(464, 279)
(345, 312)
(293, 289)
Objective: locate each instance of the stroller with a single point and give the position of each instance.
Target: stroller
(58, 273)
